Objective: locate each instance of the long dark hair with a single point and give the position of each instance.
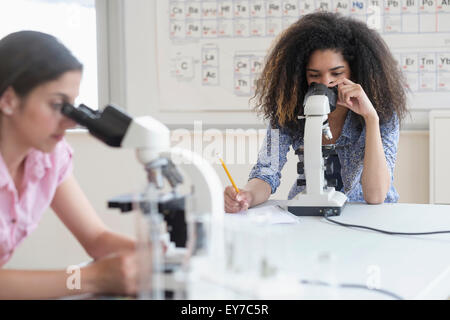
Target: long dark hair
(31, 58)
(282, 85)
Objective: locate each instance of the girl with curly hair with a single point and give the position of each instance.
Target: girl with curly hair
(337, 51)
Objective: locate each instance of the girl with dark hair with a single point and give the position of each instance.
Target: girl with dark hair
(336, 51)
(37, 76)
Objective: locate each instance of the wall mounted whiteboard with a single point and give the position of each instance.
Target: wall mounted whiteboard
(209, 53)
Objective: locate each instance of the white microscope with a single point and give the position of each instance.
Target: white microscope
(319, 197)
(194, 221)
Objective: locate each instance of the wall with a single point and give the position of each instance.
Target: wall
(104, 172)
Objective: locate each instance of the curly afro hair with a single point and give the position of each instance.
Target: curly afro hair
(282, 85)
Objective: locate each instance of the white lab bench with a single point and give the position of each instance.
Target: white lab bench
(412, 267)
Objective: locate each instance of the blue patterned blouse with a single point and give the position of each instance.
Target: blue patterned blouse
(350, 148)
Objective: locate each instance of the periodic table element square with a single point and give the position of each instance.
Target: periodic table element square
(342, 7)
(443, 6)
(242, 85)
(241, 9)
(410, 62)
(209, 10)
(360, 17)
(273, 8)
(177, 29)
(210, 56)
(375, 19)
(184, 68)
(225, 28)
(253, 83)
(209, 28)
(193, 10)
(288, 21)
(324, 5)
(427, 22)
(257, 8)
(427, 81)
(358, 7)
(176, 10)
(258, 27)
(412, 81)
(443, 22)
(242, 65)
(410, 6)
(273, 26)
(392, 7)
(193, 29)
(307, 6)
(290, 8)
(210, 76)
(241, 28)
(225, 9)
(427, 62)
(392, 23)
(256, 64)
(443, 81)
(410, 23)
(375, 7)
(427, 6)
(443, 60)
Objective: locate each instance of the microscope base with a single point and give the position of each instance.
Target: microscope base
(315, 211)
(329, 203)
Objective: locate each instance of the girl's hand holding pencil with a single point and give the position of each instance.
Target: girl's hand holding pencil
(235, 200)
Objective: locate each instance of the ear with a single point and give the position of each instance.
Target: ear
(9, 101)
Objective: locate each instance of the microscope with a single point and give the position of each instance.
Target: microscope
(319, 198)
(193, 221)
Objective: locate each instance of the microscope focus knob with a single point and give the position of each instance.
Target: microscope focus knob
(329, 168)
(299, 150)
(328, 150)
(332, 182)
(301, 182)
(300, 168)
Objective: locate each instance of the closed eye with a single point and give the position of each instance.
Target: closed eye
(57, 106)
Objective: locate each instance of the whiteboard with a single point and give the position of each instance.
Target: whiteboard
(209, 53)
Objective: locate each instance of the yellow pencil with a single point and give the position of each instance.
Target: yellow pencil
(229, 176)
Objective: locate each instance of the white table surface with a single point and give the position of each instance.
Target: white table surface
(413, 267)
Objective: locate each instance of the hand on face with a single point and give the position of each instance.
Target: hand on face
(352, 96)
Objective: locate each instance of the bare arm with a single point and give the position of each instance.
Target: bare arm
(375, 178)
(115, 274)
(21, 284)
(260, 191)
(75, 211)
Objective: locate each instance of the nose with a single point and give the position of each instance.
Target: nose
(327, 80)
(67, 123)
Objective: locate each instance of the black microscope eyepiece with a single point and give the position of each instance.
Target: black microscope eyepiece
(109, 125)
(319, 89)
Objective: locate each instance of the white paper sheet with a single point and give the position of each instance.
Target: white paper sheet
(268, 212)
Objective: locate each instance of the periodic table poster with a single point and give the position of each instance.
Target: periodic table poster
(210, 53)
